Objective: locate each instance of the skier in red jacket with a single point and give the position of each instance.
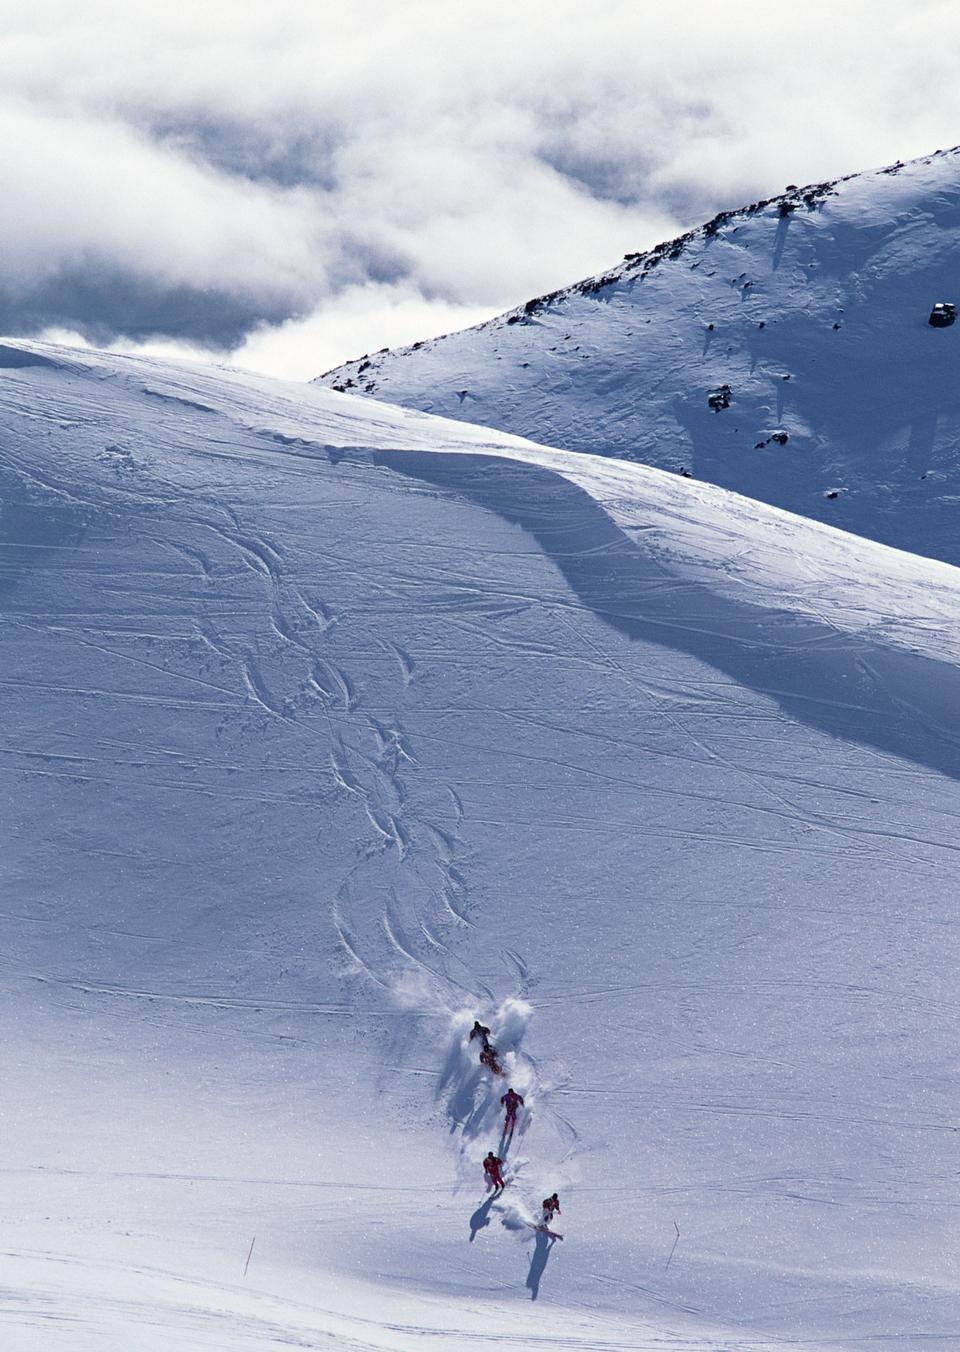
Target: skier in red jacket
(492, 1165)
(488, 1058)
(511, 1101)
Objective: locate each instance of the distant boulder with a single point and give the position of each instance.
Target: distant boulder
(942, 315)
(720, 398)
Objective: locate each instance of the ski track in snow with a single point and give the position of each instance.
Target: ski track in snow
(422, 805)
(375, 779)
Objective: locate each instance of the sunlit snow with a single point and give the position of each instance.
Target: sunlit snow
(330, 728)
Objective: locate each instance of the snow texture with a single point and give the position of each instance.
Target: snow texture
(782, 350)
(330, 727)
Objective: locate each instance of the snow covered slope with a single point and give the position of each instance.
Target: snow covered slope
(329, 727)
(804, 317)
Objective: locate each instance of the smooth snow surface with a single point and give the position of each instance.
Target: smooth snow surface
(811, 308)
(329, 727)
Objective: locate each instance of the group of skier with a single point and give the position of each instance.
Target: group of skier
(511, 1102)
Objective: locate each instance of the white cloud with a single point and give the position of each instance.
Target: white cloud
(358, 320)
(82, 191)
(318, 177)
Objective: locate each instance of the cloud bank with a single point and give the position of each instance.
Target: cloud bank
(295, 184)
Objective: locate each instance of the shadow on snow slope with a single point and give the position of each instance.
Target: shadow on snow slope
(893, 700)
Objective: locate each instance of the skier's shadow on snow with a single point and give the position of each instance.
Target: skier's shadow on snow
(538, 1263)
(481, 1217)
(840, 683)
(470, 1104)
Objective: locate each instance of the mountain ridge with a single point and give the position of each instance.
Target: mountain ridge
(786, 355)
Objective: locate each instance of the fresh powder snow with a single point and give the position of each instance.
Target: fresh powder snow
(332, 727)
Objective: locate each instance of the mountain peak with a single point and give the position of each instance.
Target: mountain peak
(782, 349)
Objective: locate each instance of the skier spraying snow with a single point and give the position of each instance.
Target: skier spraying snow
(481, 1031)
(551, 1208)
(488, 1058)
(492, 1166)
(511, 1101)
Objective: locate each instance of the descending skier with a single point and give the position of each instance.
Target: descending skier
(511, 1101)
(488, 1058)
(551, 1208)
(480, 1031)
(492, 1165)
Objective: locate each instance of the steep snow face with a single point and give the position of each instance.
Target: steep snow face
(330, 727)
(783, 351)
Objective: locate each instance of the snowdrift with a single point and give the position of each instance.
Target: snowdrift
(330, 727)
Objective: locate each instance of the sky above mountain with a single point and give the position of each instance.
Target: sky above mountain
(290, 185)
